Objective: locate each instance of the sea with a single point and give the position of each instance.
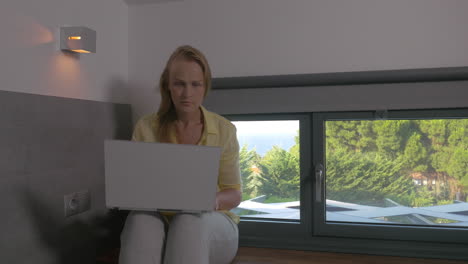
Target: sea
(263, 143)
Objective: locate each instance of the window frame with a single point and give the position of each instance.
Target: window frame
(282, 227)
(250, 95)
(376, 231)
(308, 233)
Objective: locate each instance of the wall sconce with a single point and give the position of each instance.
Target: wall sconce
(78, 39)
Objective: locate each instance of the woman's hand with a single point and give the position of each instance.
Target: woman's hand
(227, 199)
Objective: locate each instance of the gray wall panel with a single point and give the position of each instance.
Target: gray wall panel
(339, 98)
(49, 147)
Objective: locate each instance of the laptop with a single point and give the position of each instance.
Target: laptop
(160, 176)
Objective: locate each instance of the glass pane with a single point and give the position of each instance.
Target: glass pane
(269, 163)
(405, 172)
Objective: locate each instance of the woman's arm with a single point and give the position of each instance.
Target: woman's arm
(228, 199)
(229, 180)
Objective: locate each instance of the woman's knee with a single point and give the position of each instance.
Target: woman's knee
(142, 238)
(187, 222)
(144, 222)
(188, 228)
(207, 237)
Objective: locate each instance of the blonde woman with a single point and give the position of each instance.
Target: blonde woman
(210, 237)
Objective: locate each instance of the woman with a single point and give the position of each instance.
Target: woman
(210, 237)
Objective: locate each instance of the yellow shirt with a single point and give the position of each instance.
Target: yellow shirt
(219, 132)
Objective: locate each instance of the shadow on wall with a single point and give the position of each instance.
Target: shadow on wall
(75, 241)
(143, 97)
(119, 91)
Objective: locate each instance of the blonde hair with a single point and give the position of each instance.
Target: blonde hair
(166, 112)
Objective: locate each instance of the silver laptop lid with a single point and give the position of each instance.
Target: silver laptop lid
(152, 176)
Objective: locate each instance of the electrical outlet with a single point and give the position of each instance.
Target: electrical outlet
(75, 203)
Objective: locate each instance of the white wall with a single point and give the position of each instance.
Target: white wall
(268, 37)
(31, 62)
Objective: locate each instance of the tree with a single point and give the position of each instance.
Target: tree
(280, 177)
(391, 135)
(435, 130)
(255, 183)
(435, 148)
(458, 168)
(449, 140)
(342, 134)
(367, 136)
(295, 152)
(365, 178)
(248, 161)
(416, 154)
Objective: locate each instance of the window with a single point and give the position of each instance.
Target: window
(375, 168)
(361, 180)
(404, 177)
(269, 162)
(273, 173)
(423, 219)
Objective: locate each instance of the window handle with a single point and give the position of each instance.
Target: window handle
(318, 182)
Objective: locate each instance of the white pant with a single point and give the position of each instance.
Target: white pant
(191, 238)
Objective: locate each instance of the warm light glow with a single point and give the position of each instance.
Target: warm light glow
(65, 77)
(22, 31)
(80, 51)
(74, 37)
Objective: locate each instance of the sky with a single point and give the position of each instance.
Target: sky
(267, 127)
(262, 135)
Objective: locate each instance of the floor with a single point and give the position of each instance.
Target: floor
(248, 255)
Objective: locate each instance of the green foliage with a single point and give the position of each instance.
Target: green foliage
(246, 196)
(279, 172)
(431, 147)
(363, 178)
(248, 160)
(391, 136)
(295, 156)
(276, 199)
(276, 174)
(458, 165)
(435, 131)
(367, 161)
(458, 132)
(415, 153)
(367, 137)
(444, 202)
(421, 202)
(255, 184)
(342, 134)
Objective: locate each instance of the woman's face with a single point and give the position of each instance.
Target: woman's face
(186, 85)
